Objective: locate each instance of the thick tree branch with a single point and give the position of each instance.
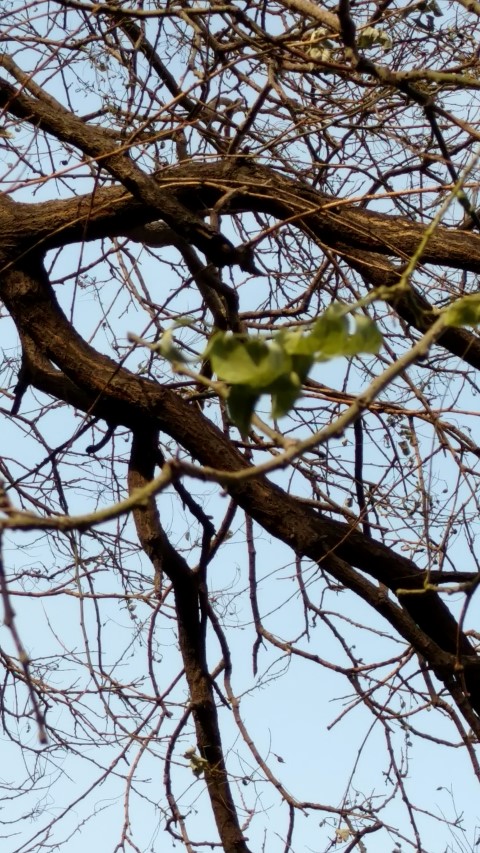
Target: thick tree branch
(186, 586)
(92, 140)
(177, 193)
(123, 398)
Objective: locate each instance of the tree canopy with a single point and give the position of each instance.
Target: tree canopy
(239, 248)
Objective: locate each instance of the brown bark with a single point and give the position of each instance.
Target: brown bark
(59, 361)
(190, 596)
(177, 194)
(317, 112)
(123, 398)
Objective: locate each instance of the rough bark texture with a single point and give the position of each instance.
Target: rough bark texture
(122, 398)
(59, 362)
(190, 600)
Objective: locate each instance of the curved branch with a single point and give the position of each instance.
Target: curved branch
(124, 398)
(192, 639)
(176, 194)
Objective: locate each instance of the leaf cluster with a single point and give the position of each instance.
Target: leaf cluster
(253, 366)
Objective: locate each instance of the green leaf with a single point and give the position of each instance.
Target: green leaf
(297, 343)
(284, 394)
(370, 36)
(464, 312)
(197, 764)
(330, 332)
(241, 405)
(332, 336)
(253, 366)
(166, 347)
(301, 365)
(301, 347)
(247, 361)
(366, 337)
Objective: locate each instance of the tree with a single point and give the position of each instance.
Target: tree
(208, 208)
